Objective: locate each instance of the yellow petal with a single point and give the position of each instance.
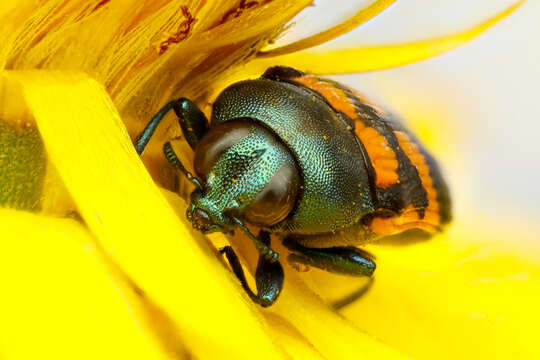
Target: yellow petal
(292, 340)
(350, 24)
(468, 294)
(134, 224)
(57, 301)
(371, 58)
(146, 52)
(333, 336)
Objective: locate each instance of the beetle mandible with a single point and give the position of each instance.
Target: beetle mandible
(311, 161)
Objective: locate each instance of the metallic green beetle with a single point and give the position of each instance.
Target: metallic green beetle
(311, 161)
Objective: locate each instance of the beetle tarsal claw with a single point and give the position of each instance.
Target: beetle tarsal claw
(266, 251)
(270, 254)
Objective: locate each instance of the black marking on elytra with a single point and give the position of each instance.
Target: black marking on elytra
(410, 188)
(440, 186)
(371, 173)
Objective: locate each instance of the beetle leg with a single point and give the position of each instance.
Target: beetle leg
(192, 121)
(346, 260)
(148, 131)
(268, 276)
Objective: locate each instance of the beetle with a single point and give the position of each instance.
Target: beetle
(311, 161)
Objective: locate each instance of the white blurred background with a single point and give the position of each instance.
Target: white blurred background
(476, 107)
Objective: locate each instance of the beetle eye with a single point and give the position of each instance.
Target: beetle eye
(277, 198)
(216, 142)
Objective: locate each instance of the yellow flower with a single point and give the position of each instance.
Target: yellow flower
(130, 279)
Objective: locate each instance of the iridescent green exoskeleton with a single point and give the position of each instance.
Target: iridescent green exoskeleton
(281, 156)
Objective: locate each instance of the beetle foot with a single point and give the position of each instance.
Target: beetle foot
(267, 252)
(268, 277)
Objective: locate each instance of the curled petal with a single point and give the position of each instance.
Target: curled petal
(372, 58)
(352, 23)
(133, 223)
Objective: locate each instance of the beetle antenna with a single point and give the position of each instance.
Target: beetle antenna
(264, 249)
(172, 158)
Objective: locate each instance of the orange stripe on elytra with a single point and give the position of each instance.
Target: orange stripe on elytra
(409, 218)
(336, 97)
(383, 158)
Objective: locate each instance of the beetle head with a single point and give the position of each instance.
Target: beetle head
(245, 174)
(205, 216)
